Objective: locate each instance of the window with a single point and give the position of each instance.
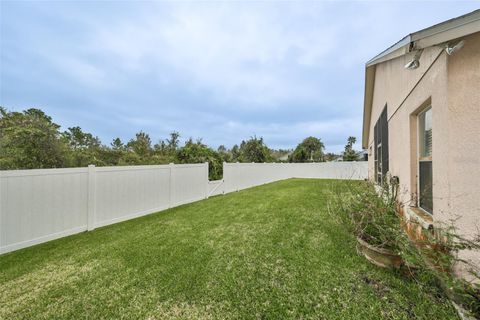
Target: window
(381, 146)
(425, 174)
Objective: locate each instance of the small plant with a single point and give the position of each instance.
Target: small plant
(371, 213)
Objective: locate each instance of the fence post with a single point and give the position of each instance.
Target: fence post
(223, 177)
(236, 178)
(91, 217)
(172, 177)
(206, 179)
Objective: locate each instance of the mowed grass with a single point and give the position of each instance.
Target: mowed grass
(270, 252)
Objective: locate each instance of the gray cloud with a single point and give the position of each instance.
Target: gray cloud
(221, 71)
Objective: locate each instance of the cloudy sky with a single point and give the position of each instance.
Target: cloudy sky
(223, 71)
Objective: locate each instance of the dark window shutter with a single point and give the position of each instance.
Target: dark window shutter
(384, 132)
(375, 143)
(380, 137)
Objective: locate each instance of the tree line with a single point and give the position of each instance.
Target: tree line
(31, 140)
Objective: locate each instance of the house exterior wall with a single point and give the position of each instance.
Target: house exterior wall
(451, 85)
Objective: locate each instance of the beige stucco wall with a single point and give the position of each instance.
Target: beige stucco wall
(451, 84)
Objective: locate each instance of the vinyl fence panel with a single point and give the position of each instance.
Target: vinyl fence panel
(42, 205)
(238, 176)
(331, 170)
(190, 183)
(124, 193)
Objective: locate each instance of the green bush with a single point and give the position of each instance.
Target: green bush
(371, 215)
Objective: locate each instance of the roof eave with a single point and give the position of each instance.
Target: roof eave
(449, 34)
(367, 103)
(397, 50)
(434, 35)
(441, 33)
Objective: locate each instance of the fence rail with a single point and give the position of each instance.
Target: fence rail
(45, 204)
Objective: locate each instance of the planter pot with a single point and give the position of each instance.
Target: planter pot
(378, 256)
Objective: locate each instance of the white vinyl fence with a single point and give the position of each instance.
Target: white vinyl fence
(238, 176)
(41, 205)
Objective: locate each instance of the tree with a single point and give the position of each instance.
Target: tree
(117, 145)
(77, 139)
(160, 147)
(141, 145)
(162, 154)
(309, 150)
(173, 142)
(254, 150)
(330, 156)
(112, 155)
(350, 154)
(164, 151)
(225, 154)
(235, 153)
(130, 158)
(197, 152)
(28, 140)
(280, 155)
(83, 148)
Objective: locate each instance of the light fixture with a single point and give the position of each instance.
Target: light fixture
(452, 48)
(415, 62)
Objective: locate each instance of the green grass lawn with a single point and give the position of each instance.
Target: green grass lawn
(271, 252)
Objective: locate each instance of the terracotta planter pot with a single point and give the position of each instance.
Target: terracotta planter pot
(378, 256)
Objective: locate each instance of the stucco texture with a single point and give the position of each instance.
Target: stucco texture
(451, 86)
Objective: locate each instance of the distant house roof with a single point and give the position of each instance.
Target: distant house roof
(438, 34)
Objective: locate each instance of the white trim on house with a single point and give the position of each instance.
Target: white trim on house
(439, 34)
(434, 35)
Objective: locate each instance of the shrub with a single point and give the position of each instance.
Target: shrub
(371, 215)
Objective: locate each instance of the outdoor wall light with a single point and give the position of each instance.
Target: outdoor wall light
(452, 48)
(415, 62)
